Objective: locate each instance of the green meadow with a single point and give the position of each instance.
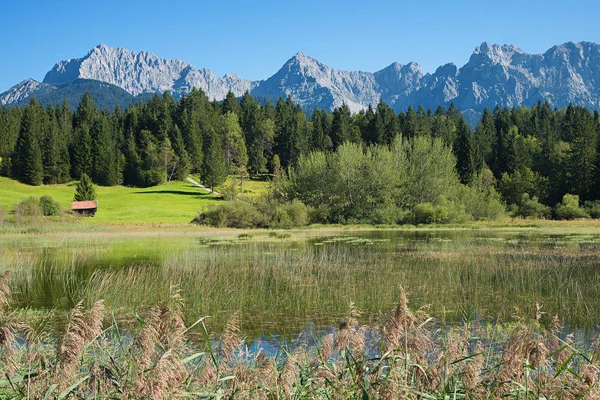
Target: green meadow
(171, 203)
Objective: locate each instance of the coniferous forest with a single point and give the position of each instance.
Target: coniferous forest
(527, 159)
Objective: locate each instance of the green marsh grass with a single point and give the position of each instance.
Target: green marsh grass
(278, 283)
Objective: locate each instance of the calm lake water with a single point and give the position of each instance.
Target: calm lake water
(279, 285)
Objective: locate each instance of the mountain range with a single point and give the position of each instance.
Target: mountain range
(495, 74)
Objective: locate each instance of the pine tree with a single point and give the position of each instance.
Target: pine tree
(230, 104)
(55, 152)
(485, 136)
(463, 150)
(81, 152)
(85, 190)
(320, 139)
(10, 124)
(183, 167)
(385, 125)
(86, 111)
(409, 128)
(28, 166)
(582, 153)
(104, 153)
(214, 171)
(341, 126)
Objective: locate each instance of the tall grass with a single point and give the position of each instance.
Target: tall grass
(403, 355)
(279, 286)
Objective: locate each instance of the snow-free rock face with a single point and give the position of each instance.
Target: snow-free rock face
(21, 92)
(144, 72)
(311, 83)
(494, 75)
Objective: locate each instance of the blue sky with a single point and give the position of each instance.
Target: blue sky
(254, 38)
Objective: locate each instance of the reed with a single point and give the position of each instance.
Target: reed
(404, 355)
(278, 286)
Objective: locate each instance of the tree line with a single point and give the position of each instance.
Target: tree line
(535, 152)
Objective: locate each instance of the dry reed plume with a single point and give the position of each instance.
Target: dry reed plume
(407, 357)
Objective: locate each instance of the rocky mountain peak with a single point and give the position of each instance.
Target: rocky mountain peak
(144, 72)
(501, 75)
(446, 70)
(20, 92)
(494, 54)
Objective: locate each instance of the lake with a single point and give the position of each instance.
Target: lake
(280, 283)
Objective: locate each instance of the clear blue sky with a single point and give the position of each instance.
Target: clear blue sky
(254, 38)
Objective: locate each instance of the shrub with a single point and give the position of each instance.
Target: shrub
(593, 208)
(49, 206)
(389, 215)
(288, 215)
(319, 214)
(153, 177)
(230, 191)
(481, 199)
(569, 208)
(440, 212)
(423, 213)
(232, 214)
(29, 207)
(532, 208)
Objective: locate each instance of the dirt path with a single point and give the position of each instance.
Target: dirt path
(201, 186)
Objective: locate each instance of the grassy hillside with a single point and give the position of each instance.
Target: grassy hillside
(175, 202)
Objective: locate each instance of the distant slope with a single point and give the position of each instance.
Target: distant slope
(105, 95)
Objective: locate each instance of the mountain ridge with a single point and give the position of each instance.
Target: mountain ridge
(503, 75)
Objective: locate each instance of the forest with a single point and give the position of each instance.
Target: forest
(375, 166)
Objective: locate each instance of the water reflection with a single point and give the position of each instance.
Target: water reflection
(279, 283)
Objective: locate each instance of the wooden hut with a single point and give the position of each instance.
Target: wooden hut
(85, 208)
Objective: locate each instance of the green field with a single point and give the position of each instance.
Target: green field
(171, 203)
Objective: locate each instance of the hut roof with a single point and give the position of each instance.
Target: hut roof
(84, 205)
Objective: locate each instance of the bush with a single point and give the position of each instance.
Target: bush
(49, 206)
(424, 213)
(153, 177)
(532, 208)
(569, 208)
(593, 208)
(288, 215)
(481, 199)
(440, 212)
(319, 214)
(389, 215)
(230, 191)
(232, 214)
(29, 207)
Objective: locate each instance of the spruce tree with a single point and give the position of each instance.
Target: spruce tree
(341, 126)
(214, 171)
(85, 190)
(81, 152)
(28, 166)
(463, 151)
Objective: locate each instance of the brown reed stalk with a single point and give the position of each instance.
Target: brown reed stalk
(231, 339)
(82, 327)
